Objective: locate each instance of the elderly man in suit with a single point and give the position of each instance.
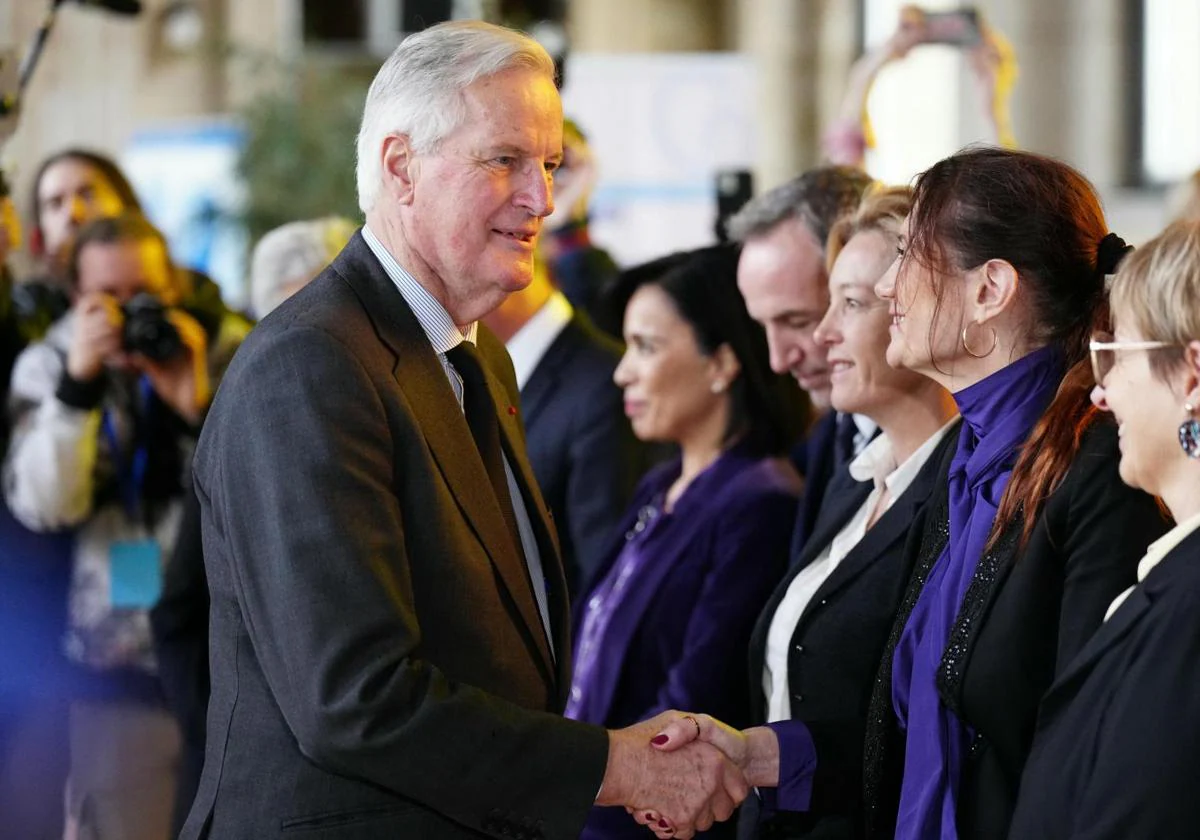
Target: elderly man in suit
(389, 636)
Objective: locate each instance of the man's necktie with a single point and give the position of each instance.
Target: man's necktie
(485, 428)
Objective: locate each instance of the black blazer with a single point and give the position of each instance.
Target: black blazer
(379, 664)
(839, 639)
(1117, 749)
(581, 446)
(1025, 615)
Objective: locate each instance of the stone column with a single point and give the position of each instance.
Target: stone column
(646, 25)
(783, 37)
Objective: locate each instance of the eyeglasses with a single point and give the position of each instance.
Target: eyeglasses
(1104, 352)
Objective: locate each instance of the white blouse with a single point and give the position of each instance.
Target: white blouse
(876, 463)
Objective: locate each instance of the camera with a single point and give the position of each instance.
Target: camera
(147, 330)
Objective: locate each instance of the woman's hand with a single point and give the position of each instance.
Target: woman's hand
(753, 751)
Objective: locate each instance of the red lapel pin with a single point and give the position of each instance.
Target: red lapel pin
(512, 409)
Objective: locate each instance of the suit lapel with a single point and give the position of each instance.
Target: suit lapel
(512, 438)
(1172, 571)
(843, 497)
(1109, 633)
(420, 376)
(894, 523)
(543, 382)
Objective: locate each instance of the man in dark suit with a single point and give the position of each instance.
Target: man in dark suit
(783, 277)
(581, 445)
(389, 631)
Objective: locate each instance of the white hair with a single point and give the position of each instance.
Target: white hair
(292, 254)
(418, 90)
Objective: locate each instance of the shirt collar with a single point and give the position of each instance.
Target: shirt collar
(439, 327)
(877, 462)
(865, 426)
(1165, 544)
(530, 343)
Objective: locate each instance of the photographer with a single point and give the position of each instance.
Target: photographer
(105, 412)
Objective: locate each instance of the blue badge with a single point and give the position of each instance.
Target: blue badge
(135, 574)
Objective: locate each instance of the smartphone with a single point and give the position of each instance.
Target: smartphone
(957, 28)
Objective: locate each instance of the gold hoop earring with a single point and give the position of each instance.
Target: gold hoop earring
(967, 345)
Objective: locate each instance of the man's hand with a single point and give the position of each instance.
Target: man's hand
(755, 752)
(182, 382)
(687, 789)
(96, 336)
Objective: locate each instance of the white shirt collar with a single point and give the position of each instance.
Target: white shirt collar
(530, 343)
(1165, 544)
(439, 327)
(1155, 553)
(865, 426)
(877, 463)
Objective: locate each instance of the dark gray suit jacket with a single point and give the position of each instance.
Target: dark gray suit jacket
(379, 667)
(581, 445)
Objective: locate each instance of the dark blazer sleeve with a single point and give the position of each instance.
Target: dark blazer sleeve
(749, 556)
(315, 541)
(1109, 525)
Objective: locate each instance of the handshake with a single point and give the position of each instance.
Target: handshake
(679, 773)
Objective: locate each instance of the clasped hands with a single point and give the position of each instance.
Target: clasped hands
(678, 773)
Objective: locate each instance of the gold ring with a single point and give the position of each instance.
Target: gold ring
(695, 723)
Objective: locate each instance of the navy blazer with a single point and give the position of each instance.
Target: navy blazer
(581, 447)
(815, 460)
(1117, 748)
(678, 639)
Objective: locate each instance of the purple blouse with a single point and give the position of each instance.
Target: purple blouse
(999, 413)
(602, 605)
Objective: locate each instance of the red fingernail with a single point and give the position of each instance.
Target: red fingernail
(659, 740)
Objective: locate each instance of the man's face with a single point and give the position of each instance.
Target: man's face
(781, 275)
(123, 269)
(478, 200)
(70, 194)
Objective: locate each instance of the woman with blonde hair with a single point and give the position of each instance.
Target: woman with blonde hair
(1117, 752)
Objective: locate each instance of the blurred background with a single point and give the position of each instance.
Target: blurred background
(234, 116)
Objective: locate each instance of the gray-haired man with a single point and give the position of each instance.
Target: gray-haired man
(389, 625)
(782, 275)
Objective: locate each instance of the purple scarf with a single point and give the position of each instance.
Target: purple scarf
(999, 413)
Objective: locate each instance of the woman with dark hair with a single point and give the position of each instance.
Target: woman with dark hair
(1001, 286)
(994, 296)
(665, 622)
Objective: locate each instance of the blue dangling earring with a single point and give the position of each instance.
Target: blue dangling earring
(1189, 433)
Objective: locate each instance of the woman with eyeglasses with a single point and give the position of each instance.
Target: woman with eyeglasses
(1117, 753)
(999, 284)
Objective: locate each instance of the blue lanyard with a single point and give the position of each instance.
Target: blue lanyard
(131, 471)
